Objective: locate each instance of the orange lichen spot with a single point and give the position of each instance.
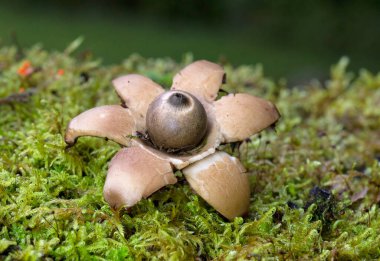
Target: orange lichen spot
(21, 90)
(60, 72)
(25, 69)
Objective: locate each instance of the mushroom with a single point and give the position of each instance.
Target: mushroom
(176, 130)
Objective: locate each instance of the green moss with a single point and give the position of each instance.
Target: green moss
(315, 181)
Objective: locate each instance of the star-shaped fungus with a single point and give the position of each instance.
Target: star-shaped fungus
(180, 129)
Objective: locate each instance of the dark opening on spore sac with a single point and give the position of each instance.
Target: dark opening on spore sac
(179, 100)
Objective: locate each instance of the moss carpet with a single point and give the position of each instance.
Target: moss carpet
(315, 181)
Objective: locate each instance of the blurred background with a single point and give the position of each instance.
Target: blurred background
(296, 39)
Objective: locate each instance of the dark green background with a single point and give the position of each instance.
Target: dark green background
(295, 39)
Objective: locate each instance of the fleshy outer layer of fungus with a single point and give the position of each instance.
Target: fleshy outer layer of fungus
(209, 178)
(109, 121)
(141, 169)
(243, 114)
(153, 174)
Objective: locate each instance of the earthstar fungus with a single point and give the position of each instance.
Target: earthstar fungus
(178, 129)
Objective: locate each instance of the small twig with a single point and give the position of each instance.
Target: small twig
(18, 97)
(20, 53)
